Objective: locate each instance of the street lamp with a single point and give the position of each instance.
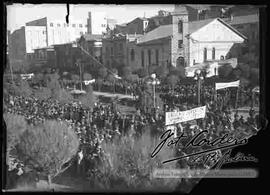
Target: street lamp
(199, 77)
(154, 82)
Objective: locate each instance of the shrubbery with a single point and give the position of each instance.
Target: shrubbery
(46, 147)
(127, 165)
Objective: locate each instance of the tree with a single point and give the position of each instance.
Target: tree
(245, 69)
(15, 126)
(48, 147)
(162, 71)
(172, 80)
(152, 69)
(53, 85)
(102, 72)
(87, 76)
(131, 167)
(64, 97)
(75, 78)
(43, 93)
(126, 72)
(23, 89)
(254, 76)
(88, 99)
(142, 72)
(224, 71)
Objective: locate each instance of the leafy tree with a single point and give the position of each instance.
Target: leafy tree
(152, 69)
(87, 76)
(126, 72)
(64, 96)
(102, 73)
(224, 71)
(15, 126)
(43, 93)
(53, 85)
(23, 89)
(142, 72)
(48, 147)
(88, 99)
(162, 71)
(131, 167)
(254, 76)
(245, 69)
(172, 80)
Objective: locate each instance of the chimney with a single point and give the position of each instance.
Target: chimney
(89, 23)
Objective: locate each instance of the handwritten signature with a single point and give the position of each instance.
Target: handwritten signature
(213, 154)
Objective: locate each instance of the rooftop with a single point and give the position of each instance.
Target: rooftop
(164, 31)
(254, 18)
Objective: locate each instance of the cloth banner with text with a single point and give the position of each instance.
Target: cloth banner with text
(226, 85)
(183, 116)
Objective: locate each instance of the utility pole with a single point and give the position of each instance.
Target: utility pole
(80, 66)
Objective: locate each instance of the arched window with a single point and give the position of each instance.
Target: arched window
(204, 54)
(132, 55)
(213, 53)
(180, 61)
(180, 26)
(222, 58)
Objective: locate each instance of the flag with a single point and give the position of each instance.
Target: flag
(225, 85)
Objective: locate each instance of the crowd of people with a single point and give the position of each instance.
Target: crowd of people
(104, 122)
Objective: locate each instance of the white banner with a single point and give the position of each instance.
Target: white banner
(89, 81)
(178, 117)
(225, 85)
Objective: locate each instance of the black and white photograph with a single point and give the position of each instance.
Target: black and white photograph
(129, 97)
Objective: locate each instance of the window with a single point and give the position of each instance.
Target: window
(132, 55)
(74, 25)
(204, 54)
(180, 62)
(107, 51)
(157, 56)
(180, 26)
(149, 57)
(111, 51)
(142, 55)
(180, 44)
(51, 24)
(194, 62)
(213, 53)
(80, 25)
(58, 25)
(121, 47)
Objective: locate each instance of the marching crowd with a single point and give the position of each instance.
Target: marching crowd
(104, 122)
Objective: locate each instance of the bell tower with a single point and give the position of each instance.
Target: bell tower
(179, 41)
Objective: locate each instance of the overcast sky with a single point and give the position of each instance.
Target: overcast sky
(19, 14)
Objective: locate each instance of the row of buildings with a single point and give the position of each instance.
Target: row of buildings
(190, 35)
